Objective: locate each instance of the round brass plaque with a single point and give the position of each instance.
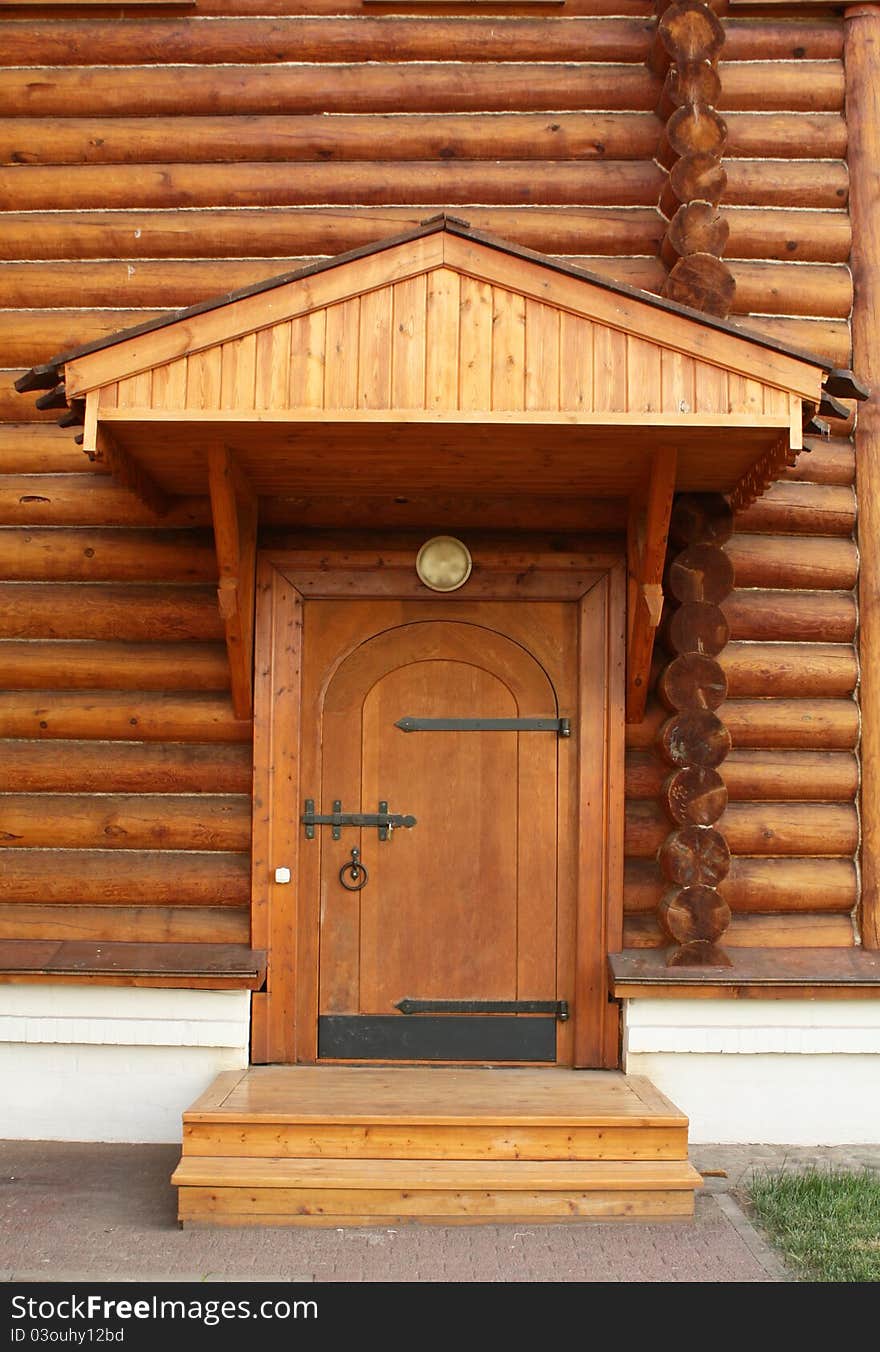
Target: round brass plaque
(444, 563)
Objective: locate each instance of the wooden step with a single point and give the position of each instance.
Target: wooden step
(370, 1145)
(430, 1113)
(236, 1191)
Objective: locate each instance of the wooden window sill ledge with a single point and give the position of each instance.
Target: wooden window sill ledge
(187, 966)
(756, 974)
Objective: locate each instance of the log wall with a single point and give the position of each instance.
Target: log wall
(151, 162)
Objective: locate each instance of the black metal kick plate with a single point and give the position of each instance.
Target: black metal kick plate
(470, 1037)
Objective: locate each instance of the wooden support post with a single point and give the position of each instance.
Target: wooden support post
(647, 531)
(695, 858)
(862, 58)
(234, 510)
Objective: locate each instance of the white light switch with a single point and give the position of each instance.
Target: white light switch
(282, 875)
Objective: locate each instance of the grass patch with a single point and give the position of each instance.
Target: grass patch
(827, 1222)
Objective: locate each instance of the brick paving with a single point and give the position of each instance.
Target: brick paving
(91, 1212)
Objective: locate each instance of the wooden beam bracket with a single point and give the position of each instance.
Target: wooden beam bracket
(103, 448)
(234, 510)
(647, 532)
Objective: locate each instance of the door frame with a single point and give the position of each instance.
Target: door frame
(530, 568)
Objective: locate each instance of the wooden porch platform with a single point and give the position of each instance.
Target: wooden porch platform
(342, 1145)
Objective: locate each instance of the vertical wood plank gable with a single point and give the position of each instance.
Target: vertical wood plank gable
(307, 360)
(576, 354)
(746, 396)
(169, 385)
(677, 379)
(203, 378)
(408, 333)
(643, 376)
(374, 349)
(273, 367)
(441, 367)
(238, 373)
(508, 350)
(343, 338)
(475, 346)
(542, 357)
(712, 390)
(136, 391)
(609, 370)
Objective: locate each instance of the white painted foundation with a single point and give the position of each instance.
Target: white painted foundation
(782, 1072)
(109, 1063)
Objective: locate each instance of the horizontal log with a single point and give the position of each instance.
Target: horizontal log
(754, 931)
(803, 724)
(792, 616)
(756, 884)
(87, 500)
(38, 448)
(825, 462)
(810, 288)
(129, 878)
(755, 828)
(808, 724)
(407, 136)
(789, 776)
(829, 339)
(262, 8)
(139, 822)
(382, 183)
(448, 86)
(786, 135)
(806, 86)
(626, 181)
(144, 612)
(807, 38)
(20, 408)
(56, 554)
(801, 509)
(806, 236)
(127, 924)
(818, 562)
(189, 40)
(781, 183)
(111, 716)
(29, 337)
(34, 664)
(218, 232)
(124, 767)
(782, 86)
(790, 669)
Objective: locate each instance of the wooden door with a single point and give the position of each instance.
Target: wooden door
(466, 912)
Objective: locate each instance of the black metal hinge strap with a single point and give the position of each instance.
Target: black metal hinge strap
(561, 726)
(558, 1008)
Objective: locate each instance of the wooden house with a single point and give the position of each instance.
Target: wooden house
(439, 502)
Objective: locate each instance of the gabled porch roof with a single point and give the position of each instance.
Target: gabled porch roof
(442, 360)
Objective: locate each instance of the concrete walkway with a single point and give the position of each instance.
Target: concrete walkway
(87, 1212)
